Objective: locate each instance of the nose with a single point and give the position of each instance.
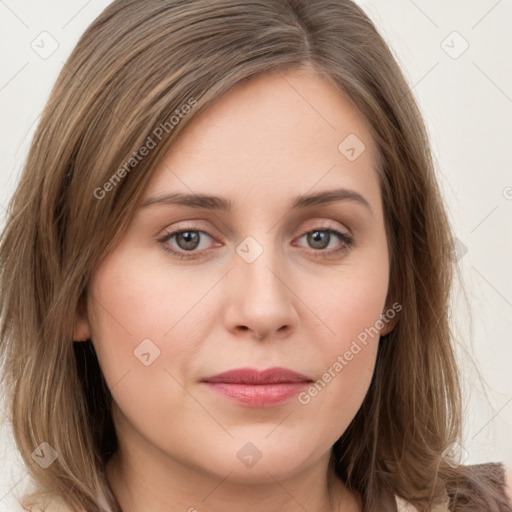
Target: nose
(262, 302)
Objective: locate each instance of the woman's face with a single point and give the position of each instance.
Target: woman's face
(265, 284)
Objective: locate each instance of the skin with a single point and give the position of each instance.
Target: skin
(265, 142)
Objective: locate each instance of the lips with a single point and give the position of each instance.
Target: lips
(252, 376)
(258, 388)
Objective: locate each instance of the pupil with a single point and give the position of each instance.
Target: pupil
(316, 238)
(190, 239)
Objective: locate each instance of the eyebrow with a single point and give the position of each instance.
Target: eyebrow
(212, 202)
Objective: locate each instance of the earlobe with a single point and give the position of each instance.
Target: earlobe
(81, 331)
(81, 328)
(389, 318)
(386, 329)
(389, 325)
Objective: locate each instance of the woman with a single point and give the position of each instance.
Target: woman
(229, 247)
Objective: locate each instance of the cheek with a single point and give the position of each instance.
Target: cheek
(348, 361)
(132, 299)
(350, 308)
(350, 304)
(134, 314)
(146, 325)
(125, 308)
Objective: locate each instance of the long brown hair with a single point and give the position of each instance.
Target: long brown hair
(138, 65)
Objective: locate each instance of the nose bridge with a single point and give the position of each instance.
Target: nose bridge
(259, 267)
(263, 299)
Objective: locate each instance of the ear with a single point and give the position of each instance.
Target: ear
(81, 329)
(390, 317)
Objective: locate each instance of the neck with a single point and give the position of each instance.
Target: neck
(180, 488)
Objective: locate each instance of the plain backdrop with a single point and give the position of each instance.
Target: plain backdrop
(456, 55)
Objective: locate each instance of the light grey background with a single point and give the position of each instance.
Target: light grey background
(465, 95)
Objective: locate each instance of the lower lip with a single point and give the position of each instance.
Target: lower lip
(259, 395)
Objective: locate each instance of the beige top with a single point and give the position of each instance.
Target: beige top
(405, 506)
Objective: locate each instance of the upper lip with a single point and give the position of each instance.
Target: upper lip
(253, 376)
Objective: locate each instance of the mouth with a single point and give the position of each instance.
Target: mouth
(256, 388)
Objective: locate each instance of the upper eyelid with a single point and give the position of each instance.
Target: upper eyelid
(205, 225)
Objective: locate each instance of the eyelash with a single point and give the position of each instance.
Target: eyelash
(347, 242)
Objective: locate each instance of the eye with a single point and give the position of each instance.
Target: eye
(186, 239)
(320, 238)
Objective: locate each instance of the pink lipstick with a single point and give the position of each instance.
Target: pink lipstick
(258, 388)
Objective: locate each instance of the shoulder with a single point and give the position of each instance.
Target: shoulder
(56, 504)
(405, 506)
(508, 482)
(36, 500)
(495, 473)
(48, 506)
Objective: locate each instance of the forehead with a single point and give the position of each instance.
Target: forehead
(281, 131)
